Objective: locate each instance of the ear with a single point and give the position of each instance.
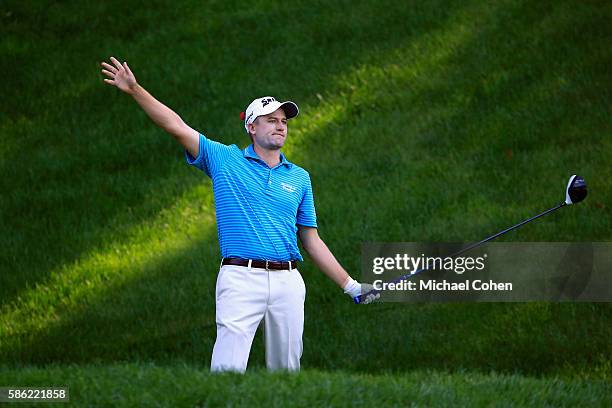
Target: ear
(251, 127)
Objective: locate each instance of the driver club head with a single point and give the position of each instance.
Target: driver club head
(576, 190)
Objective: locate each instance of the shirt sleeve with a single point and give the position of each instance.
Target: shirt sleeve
(306, 214)
(210, 156)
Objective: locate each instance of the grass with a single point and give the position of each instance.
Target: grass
(183, 385)
(436, 121)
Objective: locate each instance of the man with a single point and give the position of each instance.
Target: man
(263, 202)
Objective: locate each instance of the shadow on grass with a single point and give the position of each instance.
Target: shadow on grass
(141, 320)
(512, 75)
(162, 311)
(437, 157)
(82, 165)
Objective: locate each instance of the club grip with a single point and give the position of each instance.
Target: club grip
(359, 299)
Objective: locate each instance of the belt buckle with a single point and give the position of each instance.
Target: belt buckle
(267, 266)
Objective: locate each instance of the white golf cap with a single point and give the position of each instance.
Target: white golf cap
(265, 106)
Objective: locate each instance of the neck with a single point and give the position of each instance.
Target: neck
(271, 157)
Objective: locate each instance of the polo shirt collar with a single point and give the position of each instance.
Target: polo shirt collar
(249, 152)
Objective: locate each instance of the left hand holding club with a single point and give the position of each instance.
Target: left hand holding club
(362, 293)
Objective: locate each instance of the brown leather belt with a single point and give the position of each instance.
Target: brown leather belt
(255, 263)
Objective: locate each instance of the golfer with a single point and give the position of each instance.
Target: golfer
(263, 202)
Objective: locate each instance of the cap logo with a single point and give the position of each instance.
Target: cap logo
(266, 101)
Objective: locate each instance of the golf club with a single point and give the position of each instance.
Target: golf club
(575, 192)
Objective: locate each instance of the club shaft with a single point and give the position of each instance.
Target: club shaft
(492, 237)
(474, 245)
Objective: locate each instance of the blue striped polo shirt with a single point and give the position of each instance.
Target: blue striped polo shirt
(258, 207)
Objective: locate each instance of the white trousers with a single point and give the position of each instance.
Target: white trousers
(245, 296)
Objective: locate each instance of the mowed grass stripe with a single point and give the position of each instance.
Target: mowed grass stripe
(183, 385)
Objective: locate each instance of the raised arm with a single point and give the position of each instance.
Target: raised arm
(122, 77)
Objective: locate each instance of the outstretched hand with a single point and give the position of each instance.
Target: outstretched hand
(120, 75)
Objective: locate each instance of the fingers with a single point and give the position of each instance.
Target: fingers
(109, 74)
(116, 63)
(127, 69)
(109, 67)
(109, 81)
(370, 296)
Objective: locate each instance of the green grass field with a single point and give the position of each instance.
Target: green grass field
(438, 121)
(184, 385)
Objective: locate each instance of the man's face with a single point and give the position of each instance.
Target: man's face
(270, 131)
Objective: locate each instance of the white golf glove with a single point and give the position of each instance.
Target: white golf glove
(354, 289)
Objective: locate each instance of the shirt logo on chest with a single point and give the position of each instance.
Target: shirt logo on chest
(288, 187)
